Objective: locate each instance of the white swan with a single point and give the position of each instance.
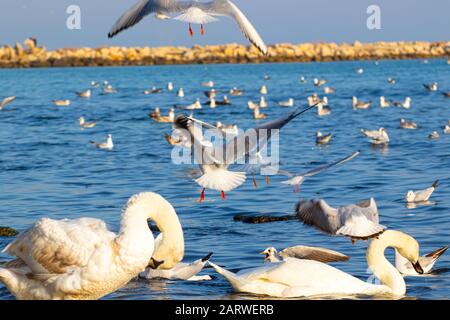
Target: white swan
(81, 258)
(306, 278)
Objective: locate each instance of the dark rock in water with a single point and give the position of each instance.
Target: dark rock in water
(8, 232)
(262, 219)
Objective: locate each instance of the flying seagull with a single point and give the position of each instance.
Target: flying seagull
(190, 12)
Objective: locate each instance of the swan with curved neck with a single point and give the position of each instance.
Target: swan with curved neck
(81, 259)
(302, 278)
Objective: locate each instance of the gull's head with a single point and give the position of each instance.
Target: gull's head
(318, 134)
(410, 196)
(402, 120)
(81, 120)
(270, 253)
(109, 136)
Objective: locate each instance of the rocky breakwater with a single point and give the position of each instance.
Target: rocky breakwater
(30, 55)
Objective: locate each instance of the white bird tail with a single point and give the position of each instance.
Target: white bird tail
(361, 230)
(221, 180)
(232, 278)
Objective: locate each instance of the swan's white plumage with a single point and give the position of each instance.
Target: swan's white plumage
(304, 278)
(81, 259)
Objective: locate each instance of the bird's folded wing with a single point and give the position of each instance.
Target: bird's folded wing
(330, 165)
(51, 246)
(319, 214)
(313, 253)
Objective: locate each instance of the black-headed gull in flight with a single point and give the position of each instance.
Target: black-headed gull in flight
(190, 12)
(214, 160)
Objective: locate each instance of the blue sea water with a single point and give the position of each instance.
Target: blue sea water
(49, 169)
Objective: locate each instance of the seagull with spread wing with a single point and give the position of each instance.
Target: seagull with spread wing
(191, 12)
(214, 160)
(297, 179)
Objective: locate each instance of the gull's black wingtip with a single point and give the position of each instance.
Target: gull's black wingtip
(207, 257)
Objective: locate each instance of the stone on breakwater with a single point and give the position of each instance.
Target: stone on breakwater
(31, 55)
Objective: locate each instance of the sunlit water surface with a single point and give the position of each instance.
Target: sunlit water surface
(48, 168)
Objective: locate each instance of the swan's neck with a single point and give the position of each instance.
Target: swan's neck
(381, 267)
(170, 250)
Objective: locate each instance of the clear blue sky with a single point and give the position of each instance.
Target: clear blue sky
(277, 21)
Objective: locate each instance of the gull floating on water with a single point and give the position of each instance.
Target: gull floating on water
(262, 102)
(323, 138)
(81, 258)
(407, 124)
(190, 12)
(85, 94)
(426, 262)
(170, 86)
(357, 221)
(153, 90)
(360, 71)
(257, 115)
(6, 101)
(215, 171)
(379, 136)
(108, 145)
(318, 83)
(421, 195)
(313, 99)
(236, 92)
(306, 278)
(304, 252)
(384, 103)
(302, 79)
(180, 93)
(227, 128)
(406, 104)
(360, 104)
(61, 103)
(328, 90)
(297, 179)
(447, 129)
(434, 135)
(322, 108)
(86, 125)
(164, 119)
(391, 81)
(432, 86)
(288, 103)
(263, 89)
(208, 84)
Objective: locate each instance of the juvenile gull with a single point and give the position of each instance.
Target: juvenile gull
(86, 125)
(190, 12)
(407, 124)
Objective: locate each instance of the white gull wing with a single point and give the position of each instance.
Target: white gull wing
(55, 247)
(313, 253)
(228, 8)
(319, 214)
(316, 170)
(6, 101)
(244, 147)
(141, 9)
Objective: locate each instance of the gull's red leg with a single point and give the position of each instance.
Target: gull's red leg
(202, 195)
(254, 182)
(223, 195)
(191, 32)
(267, 180)
(202, 29)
